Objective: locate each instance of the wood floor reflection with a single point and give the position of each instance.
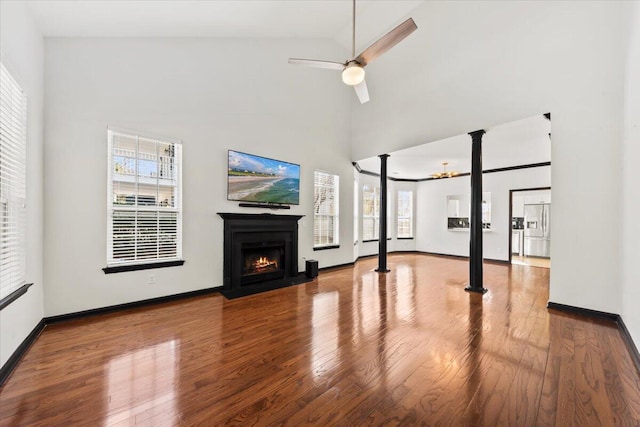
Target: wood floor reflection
(353, 347)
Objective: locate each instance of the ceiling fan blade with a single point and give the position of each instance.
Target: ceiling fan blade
(386, 42)
(330, 65)
(362, 92)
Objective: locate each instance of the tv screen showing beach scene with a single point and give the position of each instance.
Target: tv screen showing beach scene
(262, 180)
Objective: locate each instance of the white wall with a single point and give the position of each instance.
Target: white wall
(473, 65)
(21, 45)
(433, 235)
(629, 223)
(214, 95)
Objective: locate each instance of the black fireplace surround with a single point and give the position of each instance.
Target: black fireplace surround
(260, 252)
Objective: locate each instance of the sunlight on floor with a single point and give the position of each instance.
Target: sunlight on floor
(531, 261)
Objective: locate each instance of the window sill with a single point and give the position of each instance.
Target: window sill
(323, 248)
(14, 295)
(404, 238)
(374, 240)
(148, 266)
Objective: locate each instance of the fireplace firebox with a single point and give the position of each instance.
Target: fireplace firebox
(262, 261)
(260, 251)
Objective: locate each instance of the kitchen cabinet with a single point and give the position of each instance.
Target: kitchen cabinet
(458, 211)
(453, 207)
(517, 242)
(536, 197)
(518, 206)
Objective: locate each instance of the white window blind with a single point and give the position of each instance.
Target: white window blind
(13, 142)
(370, 212)
(405, 214)
(325, 209)
(144, 199)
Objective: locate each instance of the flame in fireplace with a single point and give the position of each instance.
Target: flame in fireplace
(263, 261)
(263, 264)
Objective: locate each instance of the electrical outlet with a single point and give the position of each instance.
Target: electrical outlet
(152, 279)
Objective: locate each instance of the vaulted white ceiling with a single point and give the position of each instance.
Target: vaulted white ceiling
(220, 18)
(520, 142)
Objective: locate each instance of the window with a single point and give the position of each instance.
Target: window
(355, 211)
(370, 212)
(145, 200)
(13, 177)
(405, 214)
(325, 209)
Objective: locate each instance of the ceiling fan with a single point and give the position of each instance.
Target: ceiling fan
(353, 69)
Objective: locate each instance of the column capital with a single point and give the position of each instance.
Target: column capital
(477, 134)
(384, 156)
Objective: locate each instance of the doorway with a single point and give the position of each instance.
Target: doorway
(530, 219)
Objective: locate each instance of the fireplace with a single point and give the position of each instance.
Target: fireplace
(260, 251)
(262, 261)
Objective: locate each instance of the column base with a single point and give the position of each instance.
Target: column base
(476, 290)
(385, 270)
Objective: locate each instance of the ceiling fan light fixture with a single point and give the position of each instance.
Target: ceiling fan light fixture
(353, 74)
(353, 69)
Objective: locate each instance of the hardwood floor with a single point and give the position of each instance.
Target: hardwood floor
(531, 261)
(353, 347)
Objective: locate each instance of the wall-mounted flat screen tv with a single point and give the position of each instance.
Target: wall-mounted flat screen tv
(262, 180)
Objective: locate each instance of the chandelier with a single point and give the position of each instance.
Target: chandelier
(444, 173)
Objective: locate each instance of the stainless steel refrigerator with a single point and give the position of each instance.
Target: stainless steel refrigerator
(537, 230)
